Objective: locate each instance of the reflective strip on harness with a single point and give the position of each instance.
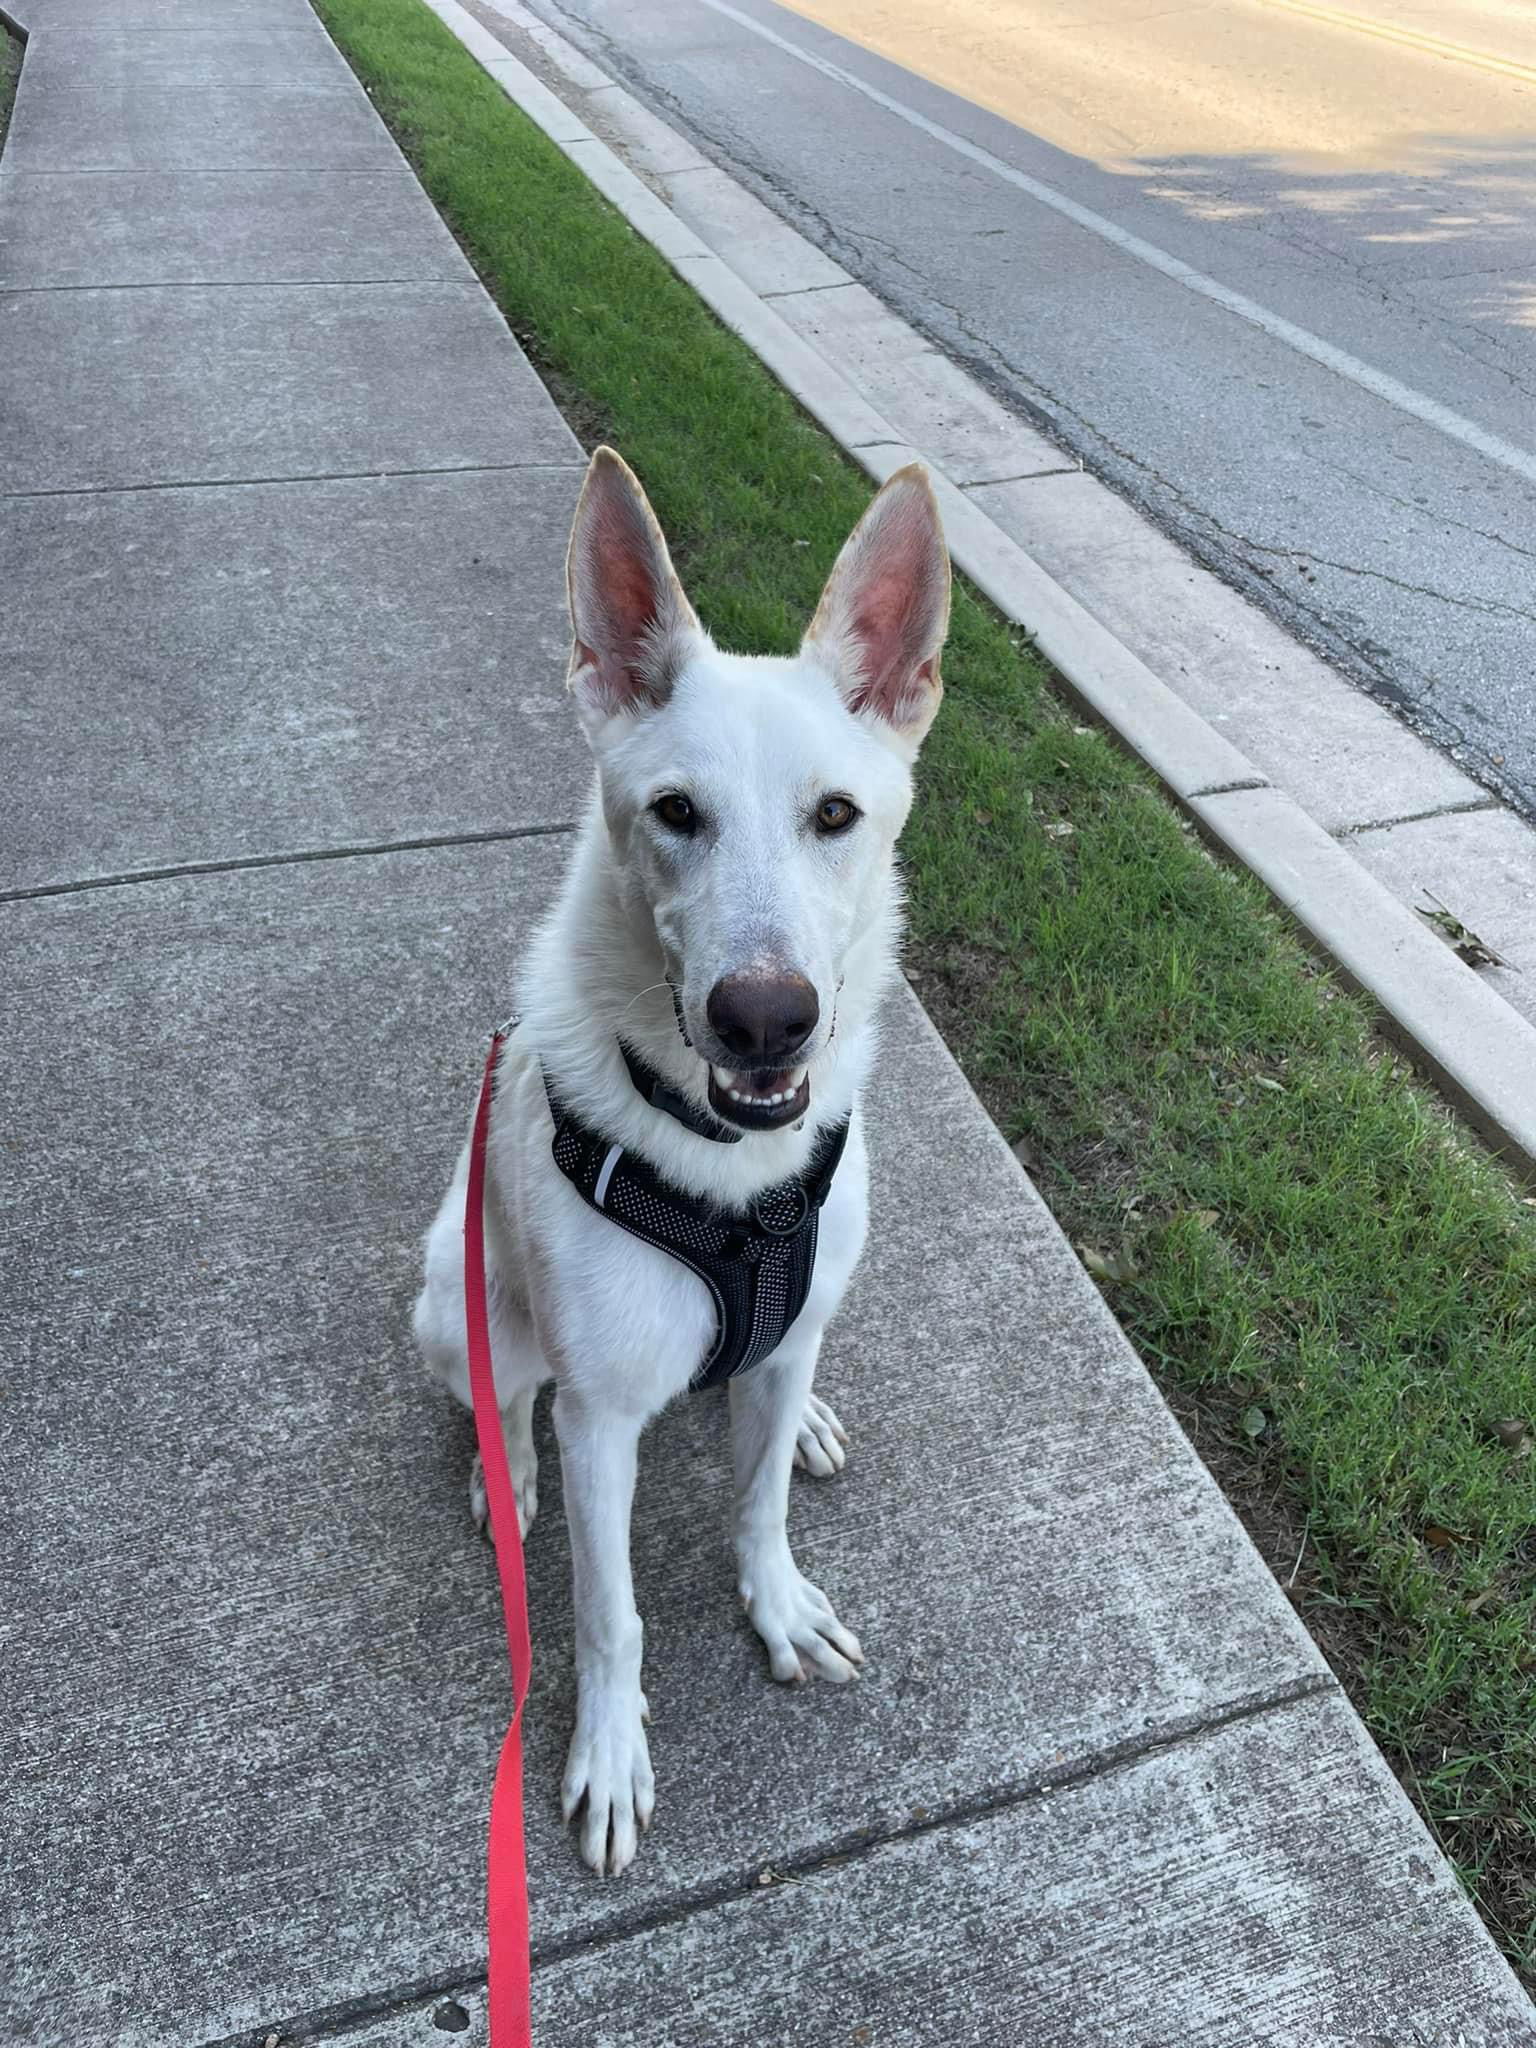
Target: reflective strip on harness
(599, 1193)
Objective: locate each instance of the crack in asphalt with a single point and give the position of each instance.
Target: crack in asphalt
(1494, 605)
(1423, 511)
(1291, 232)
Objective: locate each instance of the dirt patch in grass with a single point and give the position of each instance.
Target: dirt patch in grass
(1264, 1495)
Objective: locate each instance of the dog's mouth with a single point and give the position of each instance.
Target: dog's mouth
(760, 1101)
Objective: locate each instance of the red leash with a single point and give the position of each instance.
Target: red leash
(511, 2021)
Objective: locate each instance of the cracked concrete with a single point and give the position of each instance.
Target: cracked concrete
(1486, 803)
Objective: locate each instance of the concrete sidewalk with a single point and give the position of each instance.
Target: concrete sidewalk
(291, 776)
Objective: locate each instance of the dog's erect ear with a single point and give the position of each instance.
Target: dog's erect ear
(633, 626)
(881, 622)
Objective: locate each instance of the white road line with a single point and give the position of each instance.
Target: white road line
(1429, 411)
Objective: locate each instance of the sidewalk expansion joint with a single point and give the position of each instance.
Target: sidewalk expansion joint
(222, 284)
(319, 476)
(1247, 782)
(202, 170)
(799, 291)
(296, 858)
(321, 91)
(337, 2021)
(1025, 476)
(1104, 1763)
(1461, 810)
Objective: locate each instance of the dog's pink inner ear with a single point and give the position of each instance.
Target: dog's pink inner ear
(892, 630)
(618, 604)
(629, 588)
(627, 607)
(883, 616)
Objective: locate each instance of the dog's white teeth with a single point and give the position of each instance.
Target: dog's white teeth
(725, 1080)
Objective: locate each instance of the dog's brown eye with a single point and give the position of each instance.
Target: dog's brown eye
(675, 812)
(834, 814)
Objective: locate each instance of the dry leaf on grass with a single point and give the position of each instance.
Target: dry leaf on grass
(1115, 1268)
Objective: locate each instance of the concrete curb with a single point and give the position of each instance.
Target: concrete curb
(1481, 1051)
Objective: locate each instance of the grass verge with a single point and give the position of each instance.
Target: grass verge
(10, 71)
(1336, 1290)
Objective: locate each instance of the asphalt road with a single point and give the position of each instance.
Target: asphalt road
(1268, 267)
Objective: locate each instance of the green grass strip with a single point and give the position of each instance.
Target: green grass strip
(10, 71)
(1337, 1291)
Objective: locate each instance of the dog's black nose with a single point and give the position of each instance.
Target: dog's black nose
(761, 1019)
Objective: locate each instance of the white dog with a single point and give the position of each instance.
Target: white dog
(697, 1023)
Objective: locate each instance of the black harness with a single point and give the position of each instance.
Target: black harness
(757, 1263)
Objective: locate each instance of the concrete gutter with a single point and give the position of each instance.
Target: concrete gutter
(1474, 1042)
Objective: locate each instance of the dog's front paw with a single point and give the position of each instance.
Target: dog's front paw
(525, 1488)
(821, 1443)
(608, 1776)
(802, 1635)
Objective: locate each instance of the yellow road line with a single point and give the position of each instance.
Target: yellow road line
(1409, 38)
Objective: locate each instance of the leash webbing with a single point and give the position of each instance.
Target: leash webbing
(508, 1996)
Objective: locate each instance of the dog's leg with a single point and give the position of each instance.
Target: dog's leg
(522, 1461)
(608, 1769)
(821, 1442)
(794, 1618)
(517, 1363)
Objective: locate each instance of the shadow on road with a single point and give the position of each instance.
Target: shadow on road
(1453, 214)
